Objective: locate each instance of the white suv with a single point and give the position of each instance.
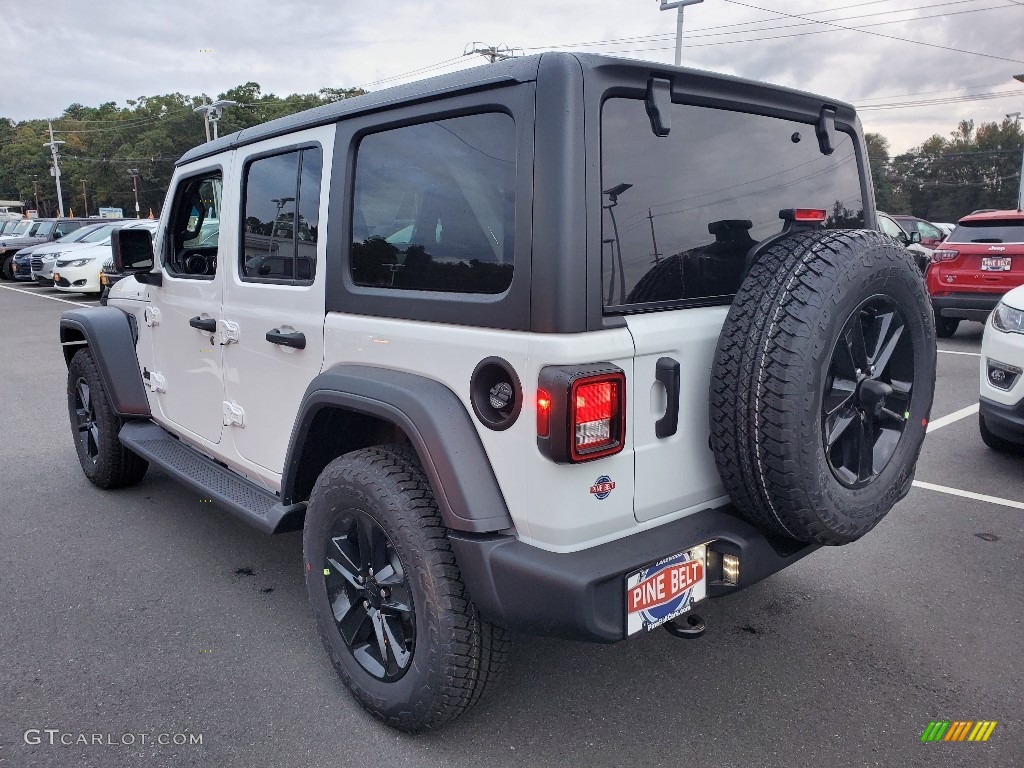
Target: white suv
(562, 345)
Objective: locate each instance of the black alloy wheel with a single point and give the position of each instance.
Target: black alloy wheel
(868, 389)
(87, 428)
(369, 594)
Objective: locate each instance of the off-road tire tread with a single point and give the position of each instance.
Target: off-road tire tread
(475, 652)
(752, 406)
(117, 466)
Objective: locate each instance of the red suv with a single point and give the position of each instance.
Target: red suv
(980, 261)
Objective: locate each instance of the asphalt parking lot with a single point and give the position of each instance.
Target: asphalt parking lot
(146, 611)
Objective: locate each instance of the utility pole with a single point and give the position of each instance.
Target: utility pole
(35, 188)
(85, 199)
(213, 112)
(679, 5)
(55, 171)
(1020, 192)
(135, 188)
(492, 53)
(650, 217)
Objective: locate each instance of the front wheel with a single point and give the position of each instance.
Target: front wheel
(94, 424)
(995, 442)
(7, 267)
(388, 597)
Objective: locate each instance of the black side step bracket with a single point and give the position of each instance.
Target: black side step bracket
(257, 506)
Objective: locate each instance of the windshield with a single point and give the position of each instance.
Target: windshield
(78, 234)
(7, 227)
(990, 231)
(100, 235)
(23, 226)
(681, 212)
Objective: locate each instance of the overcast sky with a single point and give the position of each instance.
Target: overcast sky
(94, 51)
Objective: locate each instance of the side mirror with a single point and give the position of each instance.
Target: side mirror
(133, 254)
(915, 237)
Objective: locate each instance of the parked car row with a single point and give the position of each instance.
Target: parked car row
(72, 263)
(18, 234)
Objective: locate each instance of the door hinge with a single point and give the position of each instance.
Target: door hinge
(233, 414)
(151, 316)
(155, 381)
(228, 332)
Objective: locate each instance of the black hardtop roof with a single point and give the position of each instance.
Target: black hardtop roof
(508, 72)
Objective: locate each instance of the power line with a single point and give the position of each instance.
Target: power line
(887, 37)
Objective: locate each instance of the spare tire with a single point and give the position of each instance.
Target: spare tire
(822, 385)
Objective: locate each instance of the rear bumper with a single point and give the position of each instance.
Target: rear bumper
(966, 306)
(1005, 421)
(581, 595)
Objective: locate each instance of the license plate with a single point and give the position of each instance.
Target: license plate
(995, 263)
(666, 589)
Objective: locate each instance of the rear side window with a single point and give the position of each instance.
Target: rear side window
(433, 206)
(282, 216)
(681, 212)
(990, 231)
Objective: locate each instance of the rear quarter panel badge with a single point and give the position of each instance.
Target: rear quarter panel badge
(602, 488)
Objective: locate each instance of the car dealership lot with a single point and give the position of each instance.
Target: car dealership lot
(148, 611)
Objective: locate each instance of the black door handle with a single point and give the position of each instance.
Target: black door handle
(667, 372)
(295, 339)
(207, 324)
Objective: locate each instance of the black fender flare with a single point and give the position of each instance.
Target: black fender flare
(435, 421)
(107, 331)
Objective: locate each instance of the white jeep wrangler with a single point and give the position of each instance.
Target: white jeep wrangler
(561, 345)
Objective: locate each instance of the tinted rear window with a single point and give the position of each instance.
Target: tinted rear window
(681, 212)
(988, 232)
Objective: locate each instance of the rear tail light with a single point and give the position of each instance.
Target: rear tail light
(943, 255)
(581, 412)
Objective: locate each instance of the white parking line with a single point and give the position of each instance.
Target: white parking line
(945, 421)
(951, 352)
(969, 495)
(52, 298)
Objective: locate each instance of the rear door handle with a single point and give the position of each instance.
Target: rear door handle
(207, 324)
(667, 372)
(295, 339)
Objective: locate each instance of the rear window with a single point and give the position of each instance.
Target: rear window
(991, 231)
(681, 212)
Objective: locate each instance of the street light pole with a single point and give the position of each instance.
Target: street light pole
(213, 112)
(35, 188)
(85, 199)
(679, 5)
(1020, 190)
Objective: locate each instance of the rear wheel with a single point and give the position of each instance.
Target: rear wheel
(7, 267)
(945, 327)
(388, 597)
(95, 426)
(822, 385)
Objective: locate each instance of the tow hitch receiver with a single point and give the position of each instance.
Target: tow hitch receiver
(688, 627)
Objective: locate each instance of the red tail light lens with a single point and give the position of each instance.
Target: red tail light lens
(943, 255)
(597, 416)
(803, 215)
(543, 413)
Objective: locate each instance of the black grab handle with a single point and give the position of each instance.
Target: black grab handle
(204, 324)
(296, 339)
(667, 372)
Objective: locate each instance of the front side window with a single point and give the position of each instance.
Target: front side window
(680, 213)
(41, 229)
(65, 227)
(434, 206)
(282, 216)
(194, 227)
(891, 228)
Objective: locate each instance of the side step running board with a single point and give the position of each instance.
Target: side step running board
(255, 505)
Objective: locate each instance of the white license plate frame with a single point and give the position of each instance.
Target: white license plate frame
(996, 263)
